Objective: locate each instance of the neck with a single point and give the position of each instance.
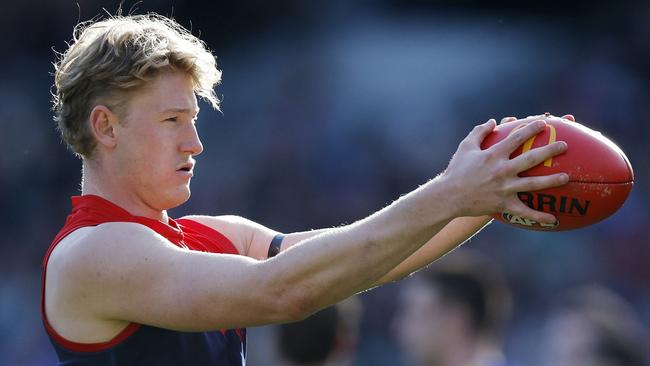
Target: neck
(100, 183)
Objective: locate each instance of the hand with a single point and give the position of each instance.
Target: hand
(486, 181)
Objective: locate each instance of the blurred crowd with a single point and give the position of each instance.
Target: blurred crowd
(332, 109)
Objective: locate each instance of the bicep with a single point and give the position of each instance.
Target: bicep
(138, 276)
(250, 238)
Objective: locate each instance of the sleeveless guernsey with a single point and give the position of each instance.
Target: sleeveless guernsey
(140, 344)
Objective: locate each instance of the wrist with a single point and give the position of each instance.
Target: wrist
(451, 196)
(435, 202)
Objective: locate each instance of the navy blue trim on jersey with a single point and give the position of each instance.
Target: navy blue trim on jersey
(162, 347)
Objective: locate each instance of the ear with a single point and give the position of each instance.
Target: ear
(102, 125)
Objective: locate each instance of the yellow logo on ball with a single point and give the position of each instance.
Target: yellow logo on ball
(529, 143)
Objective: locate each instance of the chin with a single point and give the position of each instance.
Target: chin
(176, 198)
(183, 196)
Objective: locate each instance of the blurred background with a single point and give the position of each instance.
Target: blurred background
(331, 110)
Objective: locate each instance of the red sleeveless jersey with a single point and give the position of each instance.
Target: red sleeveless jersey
(140, 344)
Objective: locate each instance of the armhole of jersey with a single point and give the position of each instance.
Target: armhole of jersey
(56, 337)
(229, 247)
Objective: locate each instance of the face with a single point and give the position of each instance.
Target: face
(424, 323)
(569, 341)
(156, 141)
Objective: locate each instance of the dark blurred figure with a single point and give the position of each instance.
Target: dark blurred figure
(328, 337)
(453, 312)
(595, 327)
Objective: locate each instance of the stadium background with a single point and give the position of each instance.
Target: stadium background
(331, 109)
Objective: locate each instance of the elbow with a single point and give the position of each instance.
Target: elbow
(295, 304)
(299, 306)
(291, 298)
(302, 306)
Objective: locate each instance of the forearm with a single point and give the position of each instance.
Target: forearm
(450, 237)
(447, 239)
(340, 262)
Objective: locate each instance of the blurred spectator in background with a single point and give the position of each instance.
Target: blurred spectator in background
(594, 326)
(328, 337)
(452, 313)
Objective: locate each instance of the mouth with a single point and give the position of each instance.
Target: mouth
(186, 168)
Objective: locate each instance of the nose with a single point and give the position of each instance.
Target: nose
(192, 144)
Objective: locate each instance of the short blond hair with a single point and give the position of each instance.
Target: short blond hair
(109, 58)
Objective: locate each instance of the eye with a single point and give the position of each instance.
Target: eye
(172, 119)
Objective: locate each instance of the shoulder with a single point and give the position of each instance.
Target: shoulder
(86, 249)
(92, 262)
(106, 237)
(242, 232)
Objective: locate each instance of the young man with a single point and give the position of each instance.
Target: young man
(124, 284)
(464, 294)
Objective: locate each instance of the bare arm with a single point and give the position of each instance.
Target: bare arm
(126, 272)
(451, 236)
(458, 231)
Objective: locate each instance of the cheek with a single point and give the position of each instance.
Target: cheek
(145, 160)
(154, 170)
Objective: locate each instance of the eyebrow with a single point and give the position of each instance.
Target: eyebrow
(182, 110)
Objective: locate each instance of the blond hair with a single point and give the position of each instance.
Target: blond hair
(114, 56)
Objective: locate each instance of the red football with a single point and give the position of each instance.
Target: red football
(600, 176)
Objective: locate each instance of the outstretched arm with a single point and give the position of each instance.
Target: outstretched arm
(125, 272)
(256, 238)
(117, 273)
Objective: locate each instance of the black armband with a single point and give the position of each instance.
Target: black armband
(274, 247)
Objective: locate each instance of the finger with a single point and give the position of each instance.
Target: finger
(536, 156)
(527, 184)
(524, 120)
(512, 142)
(570, 117)
(516, 207)
(507, 119)
(480, 132)
(533, 118)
